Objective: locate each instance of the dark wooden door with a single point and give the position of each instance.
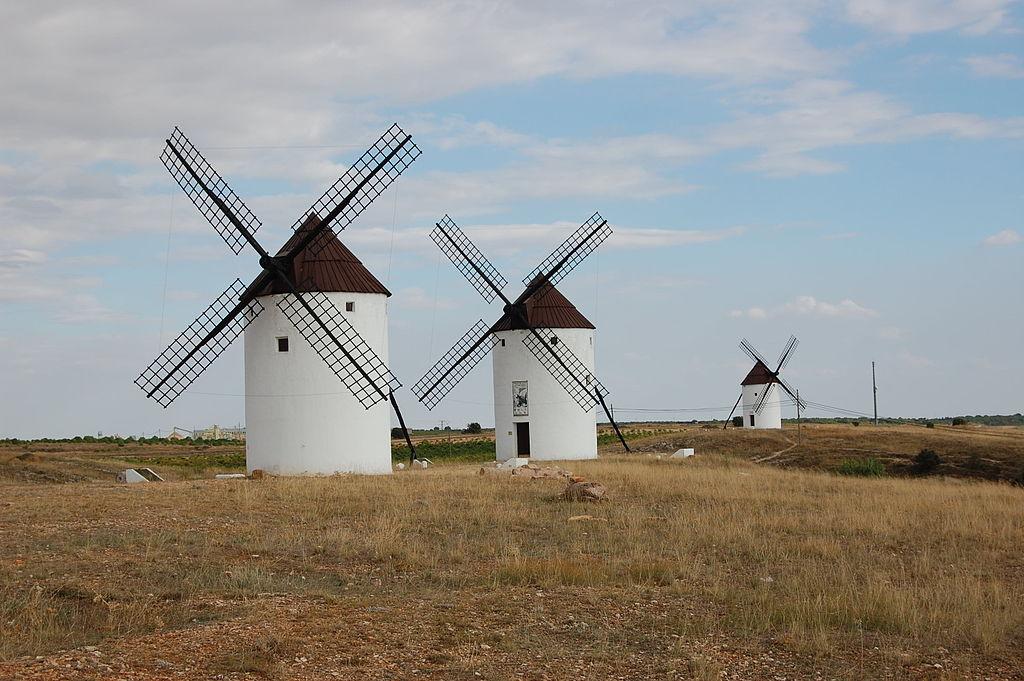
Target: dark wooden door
(523, 439)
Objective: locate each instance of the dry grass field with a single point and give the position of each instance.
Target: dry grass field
(712, 567)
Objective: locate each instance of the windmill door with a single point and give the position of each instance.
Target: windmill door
(523, 439)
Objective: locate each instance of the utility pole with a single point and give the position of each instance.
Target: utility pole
(874, 391)
(799, 430)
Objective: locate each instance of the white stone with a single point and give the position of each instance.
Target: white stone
(685, 453)
(130, 476)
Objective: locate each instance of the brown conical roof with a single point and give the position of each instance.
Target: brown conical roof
(547, 308)
(759, 375)
(325, 265)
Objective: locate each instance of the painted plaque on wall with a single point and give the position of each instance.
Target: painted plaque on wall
(520, 398)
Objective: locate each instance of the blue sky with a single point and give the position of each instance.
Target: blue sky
(849, 172)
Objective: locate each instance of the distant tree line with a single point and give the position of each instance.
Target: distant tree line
(131, 439)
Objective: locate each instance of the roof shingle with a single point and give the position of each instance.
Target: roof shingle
(759, 375)
(328, 267)
(547, 308)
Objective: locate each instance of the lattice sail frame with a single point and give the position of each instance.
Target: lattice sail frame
(202, 200)
(395, 149)
(787, 354)
(577, 247)
(425, 389)
(574, 376)
(759, 405)
(789, 389)
(463, 253)
(188, 341)
(752, 352)
(370, 389)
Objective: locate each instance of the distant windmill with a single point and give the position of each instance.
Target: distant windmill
(762, 407)
(297, 420)
(544, 403)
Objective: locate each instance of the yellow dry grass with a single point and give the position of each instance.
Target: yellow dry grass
(819, 567)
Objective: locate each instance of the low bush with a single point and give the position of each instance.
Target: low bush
(926, 461)
(871, 468)
(457, 450)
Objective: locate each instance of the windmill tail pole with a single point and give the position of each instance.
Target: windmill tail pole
(733, 411)
(612, 420)
(405, 431)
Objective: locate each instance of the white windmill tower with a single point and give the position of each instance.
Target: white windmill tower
(762, 402)
(545, 389)
(298, 419)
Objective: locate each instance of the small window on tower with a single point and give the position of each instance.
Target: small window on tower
(282, 344)
(350, 306)
(554, 340)
(502, 342)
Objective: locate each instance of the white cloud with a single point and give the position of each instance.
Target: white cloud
(416, 298)
(1007, 237)
(892, 333)
(996, 65)
(750, 313)
(818, 114)
(908, 17)
(915, 361)
(85, 308)
(791, 165)
(454, 132)
(811, 307)
(846, 308)
(20, 257)
(662, 238)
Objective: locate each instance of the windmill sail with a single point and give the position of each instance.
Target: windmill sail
(199, 345)
(362, 183)
(468, 259)
(218, 203)
(340, 346)
(453, 366)
(566, 368)
(574, 250)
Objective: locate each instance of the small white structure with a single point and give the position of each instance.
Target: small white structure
(534, 416)
(299, 419)
(133, 476)
(754, 386)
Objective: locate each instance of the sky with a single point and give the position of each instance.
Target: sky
(848, 172)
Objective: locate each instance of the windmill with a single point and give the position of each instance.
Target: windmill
(298, 421)
(762, 407)
(545, 390)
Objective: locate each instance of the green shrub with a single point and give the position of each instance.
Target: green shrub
(872, 468)
(929, 425)
(472, 428)
(959, 421)
(926, 461)
(442, 450)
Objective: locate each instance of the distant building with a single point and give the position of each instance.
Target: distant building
(215, 432)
